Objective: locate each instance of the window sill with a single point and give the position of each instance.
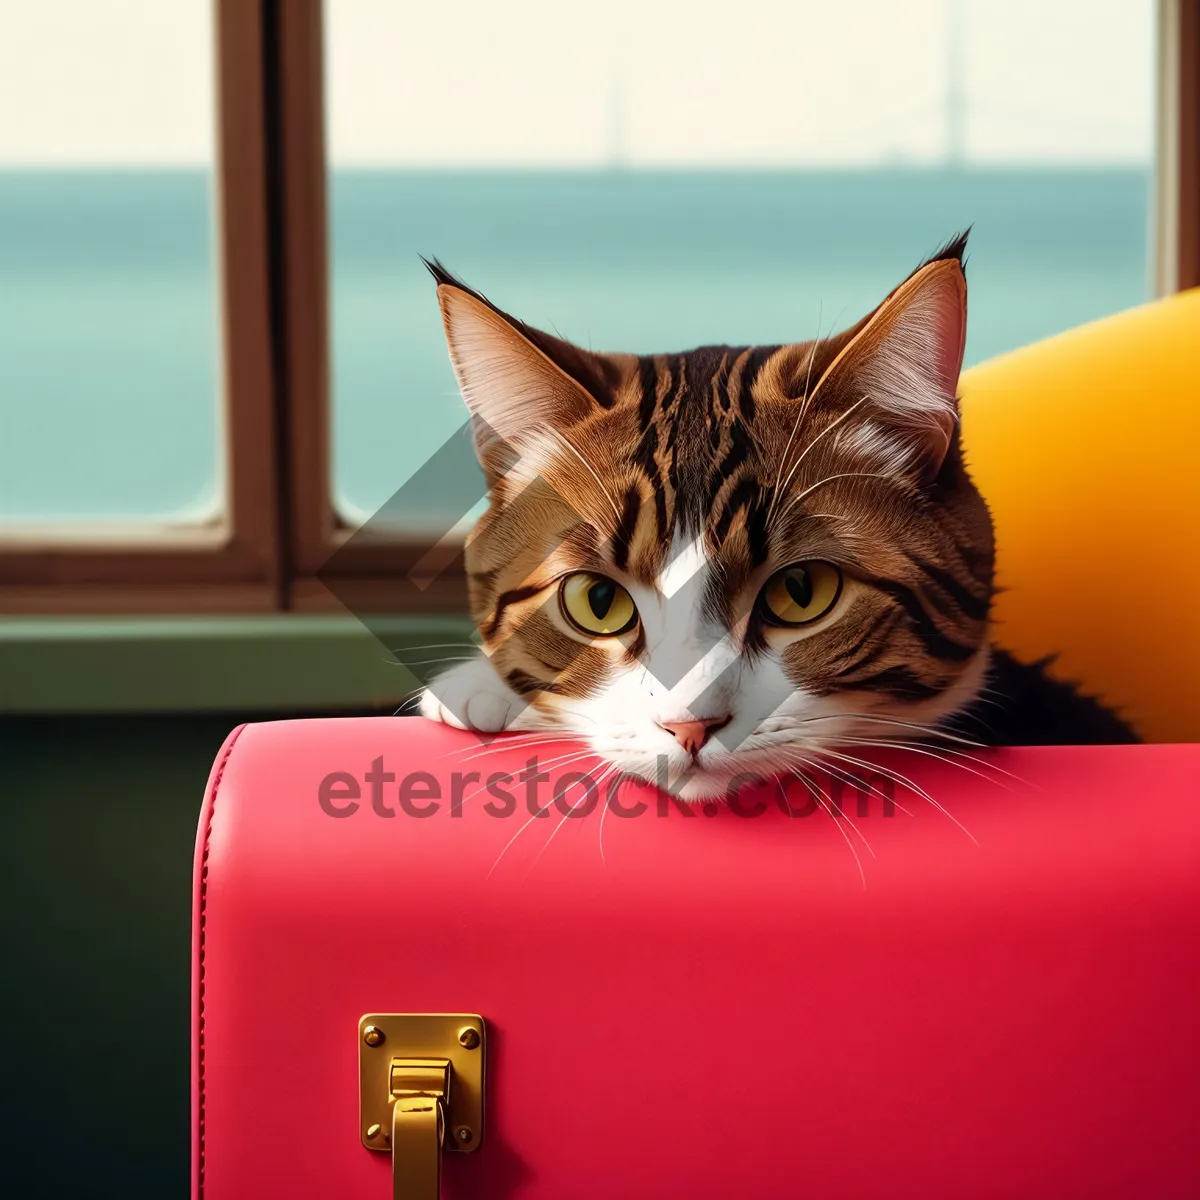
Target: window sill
(270, 663)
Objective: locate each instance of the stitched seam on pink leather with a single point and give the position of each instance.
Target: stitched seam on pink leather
(212, 808)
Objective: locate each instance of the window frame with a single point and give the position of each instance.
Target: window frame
(232, 564)
(1177, 168)
(282, 545)
(366, 572)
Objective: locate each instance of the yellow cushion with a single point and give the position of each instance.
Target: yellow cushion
(1086, 447)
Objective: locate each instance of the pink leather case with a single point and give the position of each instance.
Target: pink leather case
(718, 1005)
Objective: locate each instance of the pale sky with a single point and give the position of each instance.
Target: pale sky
(643, 82)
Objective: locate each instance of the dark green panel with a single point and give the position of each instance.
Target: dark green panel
(99, 820)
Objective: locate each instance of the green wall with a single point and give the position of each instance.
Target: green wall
(100, 812)
(100, 817)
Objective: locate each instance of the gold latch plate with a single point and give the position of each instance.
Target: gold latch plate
(384, 1038)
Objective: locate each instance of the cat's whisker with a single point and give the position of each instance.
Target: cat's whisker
(886, 772)
(483, 784)
(424, 662)
(803, 409)
(508, 845)
(613, 770)
(531, 745)
(926, 729)
(836, 810)
(562, 437)
(459, 751)
(521, 741)
(904, 781)
(852, 779)
(984, 694)
(466, 645)
(831, 478)
(932, 753)
(828, 429)
(569, 810)
(808, 762)
(825, 373)
(565, 759)
(777, 489)
(981, 762)
(546, 845)
(845, 837)
(827, 751)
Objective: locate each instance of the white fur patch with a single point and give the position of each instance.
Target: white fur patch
(472, 696)
(878, 448)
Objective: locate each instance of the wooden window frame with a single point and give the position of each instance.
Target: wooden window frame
(326, 572)
(232, 564)
(283, 545)
(1177, 208)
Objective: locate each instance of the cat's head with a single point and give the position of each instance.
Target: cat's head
(727, 559)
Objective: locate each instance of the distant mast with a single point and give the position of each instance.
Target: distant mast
(956, 92)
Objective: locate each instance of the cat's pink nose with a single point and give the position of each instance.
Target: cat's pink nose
(691, 735)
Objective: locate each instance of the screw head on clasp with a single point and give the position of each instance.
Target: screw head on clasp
(414, 1064)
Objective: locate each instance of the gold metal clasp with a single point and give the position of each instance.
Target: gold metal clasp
(420, 1091)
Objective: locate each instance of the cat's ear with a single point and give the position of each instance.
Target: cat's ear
(515, 380)
(905, 358)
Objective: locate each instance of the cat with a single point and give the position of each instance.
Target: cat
(730, 560)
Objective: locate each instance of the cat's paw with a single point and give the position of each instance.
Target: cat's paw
(472, 696)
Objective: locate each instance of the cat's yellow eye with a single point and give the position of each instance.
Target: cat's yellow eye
(596, 604)
(801, 593)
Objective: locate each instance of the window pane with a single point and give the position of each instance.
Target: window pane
(109, 355)
(647, 183)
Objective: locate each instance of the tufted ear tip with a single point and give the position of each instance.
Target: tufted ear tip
(954, 249)
(512, 388)
(445, 278)
(906, 359)
(941, 283)
(944, 287)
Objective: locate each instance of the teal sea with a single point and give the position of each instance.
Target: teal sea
(110, 340)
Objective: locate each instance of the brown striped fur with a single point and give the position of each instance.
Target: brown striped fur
(768, 455)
